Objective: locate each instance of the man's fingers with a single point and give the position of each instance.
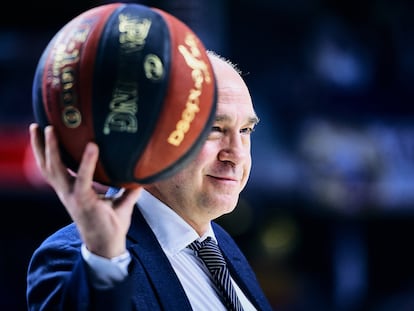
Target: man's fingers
(87, 168)
(37, 144)
(47, 155)
(127, 201)
(54, 165)
(129, 195)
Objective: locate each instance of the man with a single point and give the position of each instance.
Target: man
(122, 256)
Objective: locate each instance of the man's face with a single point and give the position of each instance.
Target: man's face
(209, 186)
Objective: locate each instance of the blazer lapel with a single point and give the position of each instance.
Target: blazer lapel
(145, 247)
(240, 269)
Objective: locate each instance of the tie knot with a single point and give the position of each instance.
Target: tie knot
(207, 243)
(209, 252)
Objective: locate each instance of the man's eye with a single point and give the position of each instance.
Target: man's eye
(247, 130)
(216, 129)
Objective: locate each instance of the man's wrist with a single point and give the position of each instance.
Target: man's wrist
(105, 272)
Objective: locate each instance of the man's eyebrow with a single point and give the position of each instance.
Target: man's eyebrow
(222, 118)
(251, 120)
(254, 120)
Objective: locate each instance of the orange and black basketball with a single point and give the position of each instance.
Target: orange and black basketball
(135, 80)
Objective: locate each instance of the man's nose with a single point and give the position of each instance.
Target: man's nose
(234, 149)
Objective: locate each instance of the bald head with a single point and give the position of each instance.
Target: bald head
(229, 80)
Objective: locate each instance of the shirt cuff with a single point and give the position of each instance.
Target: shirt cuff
(106, 272)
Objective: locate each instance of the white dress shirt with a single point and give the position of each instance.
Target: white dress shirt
(174, 235)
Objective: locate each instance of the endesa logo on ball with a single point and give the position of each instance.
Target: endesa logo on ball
(200, 75)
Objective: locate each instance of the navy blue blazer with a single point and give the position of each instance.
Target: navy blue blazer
(57, 277)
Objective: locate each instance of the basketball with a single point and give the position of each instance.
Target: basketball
(133, 79)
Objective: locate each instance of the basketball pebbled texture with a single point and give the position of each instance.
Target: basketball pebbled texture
(133, 79)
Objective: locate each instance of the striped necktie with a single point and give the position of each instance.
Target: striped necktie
(212, 257)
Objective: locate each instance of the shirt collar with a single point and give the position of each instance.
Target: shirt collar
(172, 232)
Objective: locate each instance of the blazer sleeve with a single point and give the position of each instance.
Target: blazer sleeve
(57, 278)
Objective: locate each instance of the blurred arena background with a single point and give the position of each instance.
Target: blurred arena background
(327, 219)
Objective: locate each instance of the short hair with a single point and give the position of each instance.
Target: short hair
(226, 60)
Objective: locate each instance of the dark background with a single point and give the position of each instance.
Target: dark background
(327, 219)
